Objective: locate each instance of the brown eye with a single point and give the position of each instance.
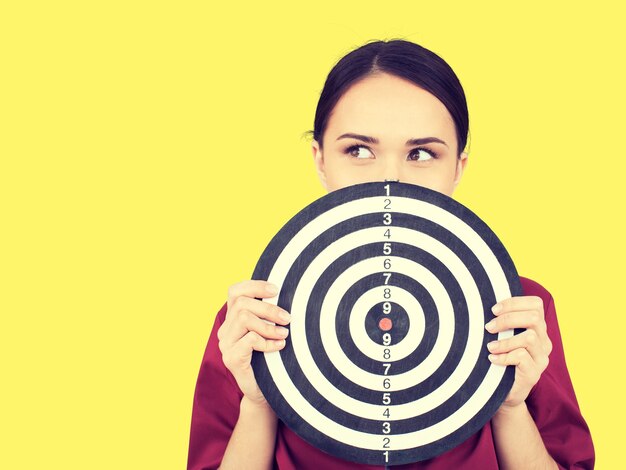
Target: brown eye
(421, 155)
(355, 151)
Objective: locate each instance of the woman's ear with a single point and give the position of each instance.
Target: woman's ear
(460, 167)
(318, 158)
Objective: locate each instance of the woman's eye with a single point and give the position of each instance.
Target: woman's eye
(355, 151)
(421, 155)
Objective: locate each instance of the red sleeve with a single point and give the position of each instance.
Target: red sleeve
(215, 406)
(552, 402)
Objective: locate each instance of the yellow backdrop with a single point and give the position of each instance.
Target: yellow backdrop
(150, 150)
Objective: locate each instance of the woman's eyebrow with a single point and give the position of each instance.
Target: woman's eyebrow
(374, 140)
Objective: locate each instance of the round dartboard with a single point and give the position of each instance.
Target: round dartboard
(389, 286)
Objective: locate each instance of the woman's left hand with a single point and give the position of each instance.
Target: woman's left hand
(527, 351)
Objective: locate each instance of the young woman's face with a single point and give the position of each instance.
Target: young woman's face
(368, 133)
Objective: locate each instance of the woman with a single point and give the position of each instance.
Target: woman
(389, 110)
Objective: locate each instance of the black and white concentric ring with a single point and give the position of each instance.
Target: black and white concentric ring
(354, 396)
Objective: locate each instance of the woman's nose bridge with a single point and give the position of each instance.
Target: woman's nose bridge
(392, 168)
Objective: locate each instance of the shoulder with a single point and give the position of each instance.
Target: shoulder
(221, 314)
(531, 287)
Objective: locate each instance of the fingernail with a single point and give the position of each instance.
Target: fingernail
(490, 326)
(284, 316)
(283, 332)
(271, 289)
(492, 346)
(280, 343)
(497, 308)
(492, 357)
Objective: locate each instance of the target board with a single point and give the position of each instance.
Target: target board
(389, 286)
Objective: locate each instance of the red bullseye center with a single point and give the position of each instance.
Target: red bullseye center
(385, 324)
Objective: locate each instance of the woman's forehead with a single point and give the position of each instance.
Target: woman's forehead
(388, 106)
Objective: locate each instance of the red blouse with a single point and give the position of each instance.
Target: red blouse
(552, 404)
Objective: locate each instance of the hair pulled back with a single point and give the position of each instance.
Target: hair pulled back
(406, 60)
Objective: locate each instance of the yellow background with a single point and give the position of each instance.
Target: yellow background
(150, 150)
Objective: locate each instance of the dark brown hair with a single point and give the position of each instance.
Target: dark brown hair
(404, 59)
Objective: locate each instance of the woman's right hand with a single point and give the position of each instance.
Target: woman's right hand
(244, 331)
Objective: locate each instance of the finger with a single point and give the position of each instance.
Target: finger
(518, 303)
(247, 321)
(251, 288)
(252, 341)
(261, 309)
(519, 319)
(520, 358)
(528, 340)
(238, 357)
